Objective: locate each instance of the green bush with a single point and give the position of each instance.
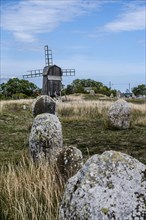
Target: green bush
(19, 96)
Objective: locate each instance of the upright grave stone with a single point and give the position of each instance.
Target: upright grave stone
(69, 161)
(43, 104)
(45, 140)
(119, 115)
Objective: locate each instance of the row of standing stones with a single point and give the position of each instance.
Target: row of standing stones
(46, 141)
(110, 186)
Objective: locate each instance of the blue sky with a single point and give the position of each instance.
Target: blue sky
(103, 40)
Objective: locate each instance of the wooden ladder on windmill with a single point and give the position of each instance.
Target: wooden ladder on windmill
(52, 75)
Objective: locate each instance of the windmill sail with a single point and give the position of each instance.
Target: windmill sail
(33, 73)
(48, 56)
(68, 72)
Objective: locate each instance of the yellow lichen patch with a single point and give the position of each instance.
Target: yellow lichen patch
(105, 210)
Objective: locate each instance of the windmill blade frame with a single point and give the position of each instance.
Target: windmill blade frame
(68, 72)
(48, 56)
(33, 73)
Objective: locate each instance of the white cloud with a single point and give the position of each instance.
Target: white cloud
(24, 37)
(132, 20)
(25, 19)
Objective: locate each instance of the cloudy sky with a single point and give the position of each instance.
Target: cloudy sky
(103, 40)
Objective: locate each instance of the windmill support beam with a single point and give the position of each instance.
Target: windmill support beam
(50, 77)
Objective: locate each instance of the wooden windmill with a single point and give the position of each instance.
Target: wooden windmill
(52, 75)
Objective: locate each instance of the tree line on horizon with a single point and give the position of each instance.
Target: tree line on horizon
(80, 85)
(19, 88)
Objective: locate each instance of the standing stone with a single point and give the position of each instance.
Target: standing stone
(109, 186)
(118, 94)
(111, 95)
(45, 139)
(119, 115)
(43, 104)
(69, 161)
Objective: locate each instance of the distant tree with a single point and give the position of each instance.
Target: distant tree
(18, 86)
(79, 85)
(113, 91)
(139, 90)
(69, 90)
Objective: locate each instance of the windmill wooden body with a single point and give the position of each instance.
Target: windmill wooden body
(52, 75)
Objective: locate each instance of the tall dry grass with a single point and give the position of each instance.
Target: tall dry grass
(5, 103)
(30, 192)
(79, 109)
(139, 114)
(76, 108)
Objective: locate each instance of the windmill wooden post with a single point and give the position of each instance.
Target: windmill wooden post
(52, 75)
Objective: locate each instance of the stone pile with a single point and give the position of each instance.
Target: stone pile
(109, 186)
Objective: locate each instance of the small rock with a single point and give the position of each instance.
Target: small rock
(45, 139)
(69, 161)
(24, 107)
(43, 104)
(119, 115)
(109, 186)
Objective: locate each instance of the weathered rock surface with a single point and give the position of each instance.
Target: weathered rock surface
(109, 186)
(43, 104)
(119, 115)
(69, 161)
(45, 139)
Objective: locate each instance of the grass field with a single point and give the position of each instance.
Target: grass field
(83, 123)
(28, 192)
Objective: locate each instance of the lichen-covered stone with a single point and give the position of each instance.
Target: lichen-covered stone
(109, 186)
(45, 139)
(43, 104)
(119, 115)
(69, 161)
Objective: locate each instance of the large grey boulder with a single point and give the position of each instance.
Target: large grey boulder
(43, 104)
(69, 161)
(119, 115)
(45, 139)
(109, 186)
